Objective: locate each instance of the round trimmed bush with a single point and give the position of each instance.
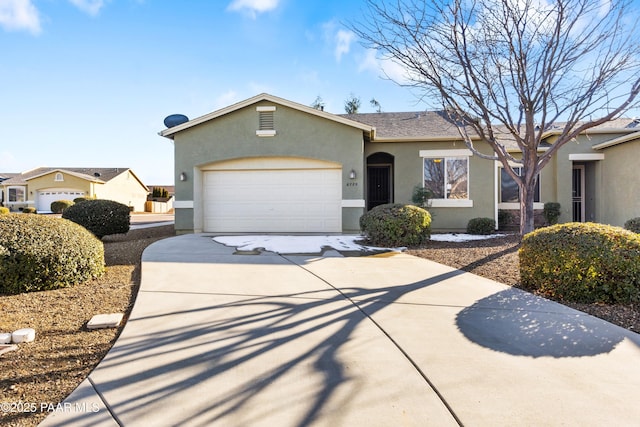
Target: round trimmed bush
(633, 225)
(481, 226)
(582, 262)
(101, 217)
(29, 210)
(3, 210)
(396, 225)
(41, 252)
(59, 206)
(82, 199)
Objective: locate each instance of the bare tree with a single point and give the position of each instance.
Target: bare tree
(511, 69)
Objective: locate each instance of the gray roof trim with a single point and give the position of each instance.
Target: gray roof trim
(621, 140)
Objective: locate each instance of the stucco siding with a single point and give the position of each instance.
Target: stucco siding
(125, 189)
(620, 200)
(233, 136)
(408, 173)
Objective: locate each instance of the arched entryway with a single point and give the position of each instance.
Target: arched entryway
(379, 179)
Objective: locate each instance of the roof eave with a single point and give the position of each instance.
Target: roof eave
(168, 133)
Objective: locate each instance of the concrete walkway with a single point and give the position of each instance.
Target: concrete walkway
(222, 339)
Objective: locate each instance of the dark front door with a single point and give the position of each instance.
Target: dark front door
(378, 185)
(578, 184)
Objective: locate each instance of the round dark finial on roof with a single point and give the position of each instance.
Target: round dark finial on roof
(96, 174)
(175, 120)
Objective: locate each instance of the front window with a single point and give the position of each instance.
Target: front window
(16, 194)
(447, 177)
(509, 192)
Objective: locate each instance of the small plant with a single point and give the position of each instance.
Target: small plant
(29, 210)
(582, 262)
(40, 252)
(633, 225)
(421, 196)
(396, 225)
(481, 226)
(101, 217)
(4, 211)
(551, 212)
(59, 206)
(505, 219)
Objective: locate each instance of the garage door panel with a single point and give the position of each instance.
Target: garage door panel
(268, 200)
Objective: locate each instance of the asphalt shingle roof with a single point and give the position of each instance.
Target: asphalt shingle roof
(90, 174)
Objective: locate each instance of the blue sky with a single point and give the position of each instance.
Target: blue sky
(88, 82)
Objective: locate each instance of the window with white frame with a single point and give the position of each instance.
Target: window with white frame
(59, 177)
(446, 175)
(16, 194)
(509, 192)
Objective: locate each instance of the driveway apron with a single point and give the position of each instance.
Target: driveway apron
(222, 338)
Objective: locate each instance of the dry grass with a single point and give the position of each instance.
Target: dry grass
(64, 352)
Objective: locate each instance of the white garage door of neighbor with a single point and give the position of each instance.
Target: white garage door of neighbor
(269, 200)
(46, 197)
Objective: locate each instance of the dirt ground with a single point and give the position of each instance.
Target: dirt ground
(39, 375)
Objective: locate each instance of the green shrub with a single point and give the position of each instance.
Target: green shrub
(582, 262)
(551, 212)
(29, 210)
(82, 199)
(396, 225)
(101, 217)
(421, 196)
(505, 219)
(633, 225)
(3, 210)
(59, 206)
(40, 252)
(481, 226)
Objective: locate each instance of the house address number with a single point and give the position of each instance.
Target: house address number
(352, 184)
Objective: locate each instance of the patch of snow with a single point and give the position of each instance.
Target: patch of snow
(462, 237)
(297, 244)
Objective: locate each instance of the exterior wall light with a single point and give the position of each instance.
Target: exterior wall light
(183, 176)
(352, 174)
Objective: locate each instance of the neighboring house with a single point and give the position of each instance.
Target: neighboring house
(267, 164)
(42, 186)
(156, 204)
(3, 177)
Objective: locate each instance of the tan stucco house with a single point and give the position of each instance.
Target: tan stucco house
(267, 164)
(41, 186)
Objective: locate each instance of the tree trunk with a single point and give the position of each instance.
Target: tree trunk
(527, 215)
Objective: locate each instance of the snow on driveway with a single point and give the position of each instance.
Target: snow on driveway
(297, 244)
(314, 244)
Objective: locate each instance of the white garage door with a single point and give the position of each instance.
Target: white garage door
(46, 197)
(271, 200)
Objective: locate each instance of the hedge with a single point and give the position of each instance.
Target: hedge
(396, 225)
(42, 252)
(582, 262)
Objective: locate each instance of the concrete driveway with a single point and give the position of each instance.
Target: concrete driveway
(217, 338)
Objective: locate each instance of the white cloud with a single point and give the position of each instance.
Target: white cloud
(343, 41)
(92, 7)
(18, 15)
(383, 67)
(253, 7)
(228, 98)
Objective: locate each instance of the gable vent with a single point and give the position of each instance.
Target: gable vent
(266, 122)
